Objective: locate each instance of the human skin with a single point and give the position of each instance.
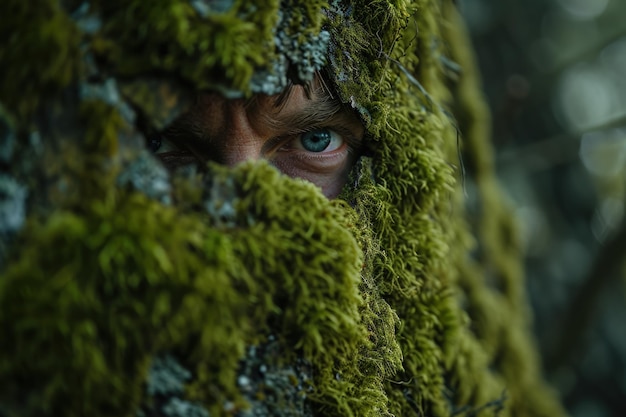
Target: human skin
(308, 135)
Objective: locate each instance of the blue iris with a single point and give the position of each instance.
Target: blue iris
(316, 140)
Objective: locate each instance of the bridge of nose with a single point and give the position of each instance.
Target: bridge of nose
(240, 139)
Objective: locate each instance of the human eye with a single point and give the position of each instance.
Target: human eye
(161, 144)
(318, 140)
(172, 153)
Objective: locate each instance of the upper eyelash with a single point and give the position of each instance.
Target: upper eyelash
(279, 141)
(345, 133)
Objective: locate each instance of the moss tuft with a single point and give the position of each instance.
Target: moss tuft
(39, 51)
(202, 293)
(371, 303)
(170, 36)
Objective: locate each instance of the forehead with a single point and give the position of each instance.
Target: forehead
(303, 108)
(291, 100)
(297, 108)
(212, 113)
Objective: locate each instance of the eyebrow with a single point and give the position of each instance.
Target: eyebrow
(320, 109)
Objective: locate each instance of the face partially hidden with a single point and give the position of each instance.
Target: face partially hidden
(310, 136)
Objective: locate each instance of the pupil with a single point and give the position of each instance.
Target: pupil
(316, 141)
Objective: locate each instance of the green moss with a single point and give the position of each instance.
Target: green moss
(170, 36)
(159, 101)
(88, 301)
(39, 51)
(418, 221)
(376, 291)
(494, 284)
(103, 124)
(307, 250)
(135, 278)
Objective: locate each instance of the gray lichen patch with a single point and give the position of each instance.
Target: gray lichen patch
(181, 408)
(86, 20)
(274, 389)
(12, 205)
(206, 7)
(12, 213)
(147, 175)
(308, 56)
(298, 56)
(165, 387)
(166, 377)
(270, 387)
(271, 81)
(220, 200)
(108, 92)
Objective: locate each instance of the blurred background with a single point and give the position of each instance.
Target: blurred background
(554, 74)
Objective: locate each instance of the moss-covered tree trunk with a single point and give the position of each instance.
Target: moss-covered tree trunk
(127, 290)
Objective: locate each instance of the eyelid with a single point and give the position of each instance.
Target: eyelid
(346, 134)
(167, 145)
